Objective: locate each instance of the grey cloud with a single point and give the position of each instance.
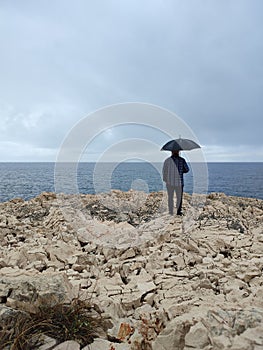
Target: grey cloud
(202, 62)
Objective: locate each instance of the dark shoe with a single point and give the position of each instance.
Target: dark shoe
(180, 213)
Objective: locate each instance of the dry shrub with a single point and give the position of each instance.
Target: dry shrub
(58, 320)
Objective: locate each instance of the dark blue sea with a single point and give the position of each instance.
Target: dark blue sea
(27, 180)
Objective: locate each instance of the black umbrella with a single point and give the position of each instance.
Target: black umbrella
(180, 145)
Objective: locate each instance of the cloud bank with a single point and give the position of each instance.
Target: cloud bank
(61, 61)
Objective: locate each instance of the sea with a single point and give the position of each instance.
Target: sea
(28, 180)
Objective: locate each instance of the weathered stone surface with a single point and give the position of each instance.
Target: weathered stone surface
(101, 344)
(163, 282)
(171, 338)
(197, 337)
(27, 288)
(48, 343)
(7, 314)
(68, 345)
(122, 330)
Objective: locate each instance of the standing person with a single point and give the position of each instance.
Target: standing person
(173, 169)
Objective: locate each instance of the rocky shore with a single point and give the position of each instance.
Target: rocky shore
(161, 282)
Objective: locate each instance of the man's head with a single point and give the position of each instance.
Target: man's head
(175, 153)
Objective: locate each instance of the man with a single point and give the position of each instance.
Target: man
(173, 169)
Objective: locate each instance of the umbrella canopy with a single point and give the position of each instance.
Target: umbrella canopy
(180, 145)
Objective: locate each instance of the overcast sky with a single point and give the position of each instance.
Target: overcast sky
(61, 60)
